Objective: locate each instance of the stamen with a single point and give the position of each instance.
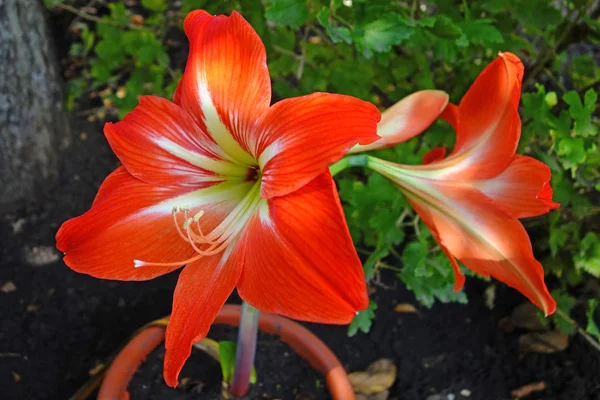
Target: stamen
(216, 240)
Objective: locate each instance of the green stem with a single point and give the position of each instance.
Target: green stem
(579, 329)
(360, 160)
(466, 10)
(246, 349)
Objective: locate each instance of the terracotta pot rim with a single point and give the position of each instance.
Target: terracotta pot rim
(301, 340)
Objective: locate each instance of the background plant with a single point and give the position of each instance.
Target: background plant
(381, 51)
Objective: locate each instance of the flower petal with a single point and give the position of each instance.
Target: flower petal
(226, 85)
(300, 260)
(487, 123)
(202, 289)
(132, 220)
(407, 118)
(485, 102)
(450, 115)
(484, 238)
(299, 138)
(522, 189)
(434, 155)
(159, 143)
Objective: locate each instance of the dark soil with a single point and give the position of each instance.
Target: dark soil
(275, 363)
(58, 325)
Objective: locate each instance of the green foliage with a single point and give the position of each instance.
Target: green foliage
(227, 354)
(564, 305)
(363, 320)
(292, 13)
(592, 326)
(381, 51)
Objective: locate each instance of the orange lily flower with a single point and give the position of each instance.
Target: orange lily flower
(236, 190)
(472, 199)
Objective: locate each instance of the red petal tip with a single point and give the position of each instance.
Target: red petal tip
(545, 195)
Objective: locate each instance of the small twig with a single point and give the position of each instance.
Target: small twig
(547, 56)
(589, 338)
(580, 330)
(402, 216)
(381, 265)
(416, 226)
(6, 355)
(593, 85)
(286, 52)
(414, 11)
(75, 20)
(363, 251)
(555, 81)
(302, 59)
(395, 253)
(89, 111)
(97, 20)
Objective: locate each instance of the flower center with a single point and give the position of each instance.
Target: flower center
(215, 241)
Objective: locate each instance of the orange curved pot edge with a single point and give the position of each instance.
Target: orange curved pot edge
(300, 339)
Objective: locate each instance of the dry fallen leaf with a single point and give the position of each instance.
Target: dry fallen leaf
(378, 377)
(405, 308)
(8, 287)
(33, 308)
(489, 296)
(98, 368)
(375, 396)
(525, 316)
(526, 390)
(543, 342)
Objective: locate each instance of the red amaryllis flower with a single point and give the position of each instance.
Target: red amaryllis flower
(233, 188)
(472, 199)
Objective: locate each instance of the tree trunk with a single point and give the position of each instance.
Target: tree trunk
(33, 123)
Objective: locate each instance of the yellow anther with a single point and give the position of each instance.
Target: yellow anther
(198, 215)
(187, 223)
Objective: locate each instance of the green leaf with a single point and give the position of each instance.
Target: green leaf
(572, 151)
(227, 354)
(363, 320)
(592, 327)
(87, 37)
(582, 112)
(414, 256)
(292, 13)
(155, 5)
(380, 35)
(481, 32)
(445, 28)
(189, 5)
(429, 275)
(588, 257)
(564, 303)
(338, 34)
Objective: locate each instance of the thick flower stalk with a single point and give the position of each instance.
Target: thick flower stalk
(236, 190)
(472, 200)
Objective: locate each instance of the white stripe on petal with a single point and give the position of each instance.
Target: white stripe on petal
(271, 151)
(212, 194)
(217, 129)
(223, 168)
